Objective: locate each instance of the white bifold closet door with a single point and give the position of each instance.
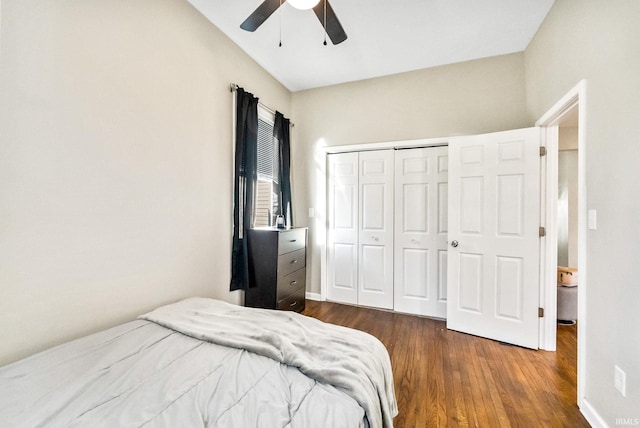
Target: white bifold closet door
(342, 242)
(420, 247)
(375, 282)
(360, 238)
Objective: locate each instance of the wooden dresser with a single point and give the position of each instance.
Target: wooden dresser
(277, 268)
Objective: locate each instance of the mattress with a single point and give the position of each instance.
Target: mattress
(142, 373)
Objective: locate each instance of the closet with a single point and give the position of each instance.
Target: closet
(387, 235)
(452, 232)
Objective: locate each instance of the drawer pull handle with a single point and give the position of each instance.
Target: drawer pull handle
(293, 240)
(291, 305)
(294, 282)
(294, 261)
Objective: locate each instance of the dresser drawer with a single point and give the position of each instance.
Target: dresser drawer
(291, 262)
(293, 302)
(292, 240)
(291, 283)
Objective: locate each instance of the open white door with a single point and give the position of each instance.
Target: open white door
(493, 269)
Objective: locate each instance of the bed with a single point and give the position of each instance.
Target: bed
(205, 363)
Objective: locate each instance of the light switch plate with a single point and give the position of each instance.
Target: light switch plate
(312, 212)
(620, 380)
(592, 220)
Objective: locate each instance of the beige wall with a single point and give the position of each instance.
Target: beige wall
(567, 220)
(467, 98)
(568, 138)
(599, 41)
(115, 163)
(568, 171)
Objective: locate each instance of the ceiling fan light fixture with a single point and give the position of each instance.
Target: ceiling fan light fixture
(303, 4)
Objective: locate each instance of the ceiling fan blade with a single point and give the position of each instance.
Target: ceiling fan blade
(334, 28)
(264, 11)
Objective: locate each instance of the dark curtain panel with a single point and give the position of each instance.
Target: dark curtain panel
(246, 159)
(281, 132)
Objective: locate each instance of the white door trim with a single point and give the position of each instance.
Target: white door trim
(548, 243)
(577, 96)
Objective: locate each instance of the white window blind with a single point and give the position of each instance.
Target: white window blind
(267, 187)
(268, 152)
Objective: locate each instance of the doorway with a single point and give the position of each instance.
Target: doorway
(568, 115)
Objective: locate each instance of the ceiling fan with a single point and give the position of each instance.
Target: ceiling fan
(322, 9)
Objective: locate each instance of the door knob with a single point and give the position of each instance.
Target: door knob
(454, 244)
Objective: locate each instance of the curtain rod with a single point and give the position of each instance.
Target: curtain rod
(233, 87)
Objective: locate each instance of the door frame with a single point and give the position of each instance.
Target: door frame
(576, 97)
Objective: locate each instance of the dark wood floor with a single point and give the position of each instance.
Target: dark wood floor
(445, 378)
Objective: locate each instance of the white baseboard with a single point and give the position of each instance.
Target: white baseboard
(591, 415)
(314, 296)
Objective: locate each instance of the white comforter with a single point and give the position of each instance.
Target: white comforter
(351, 360)
(142, 374)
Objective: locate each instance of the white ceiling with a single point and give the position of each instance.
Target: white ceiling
(384, 36)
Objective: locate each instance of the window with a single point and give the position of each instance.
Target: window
(268, 186)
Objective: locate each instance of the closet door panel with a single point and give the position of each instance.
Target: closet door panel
(342, 236)
(441, 240)
(420, 231)
(345, 274)
(373, 257)
(442, 276)
(415, 208)
(373, 207)
(375, 243)
(416, 266)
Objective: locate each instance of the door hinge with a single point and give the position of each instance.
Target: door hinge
(543, 151)
(542, 232)
(540, 312)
